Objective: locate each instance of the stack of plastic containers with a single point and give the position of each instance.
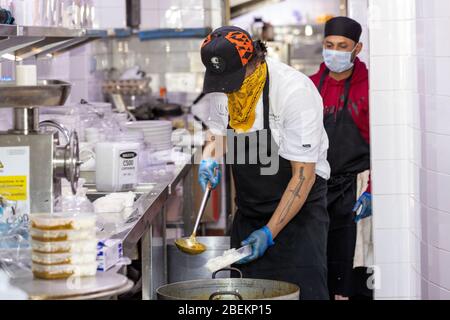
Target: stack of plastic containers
(63, 245)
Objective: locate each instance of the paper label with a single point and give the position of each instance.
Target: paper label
(128, 162)
(15, 179)
(14, 188)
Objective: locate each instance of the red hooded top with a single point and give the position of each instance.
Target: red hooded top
(333, 90)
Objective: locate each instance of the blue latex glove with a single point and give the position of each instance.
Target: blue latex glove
(365, 203)
(260, 240)
(209, 172)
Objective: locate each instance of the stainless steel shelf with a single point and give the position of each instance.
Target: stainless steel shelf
(25, 42)
(13, 30)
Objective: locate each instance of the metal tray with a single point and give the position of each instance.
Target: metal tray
(73, 287)
(48, 93)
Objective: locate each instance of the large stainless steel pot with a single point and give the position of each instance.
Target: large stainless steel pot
(184, 267)
(229, 289)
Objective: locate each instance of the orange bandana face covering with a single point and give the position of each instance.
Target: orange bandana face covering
(242, 103)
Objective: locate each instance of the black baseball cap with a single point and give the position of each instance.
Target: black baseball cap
(225, 54)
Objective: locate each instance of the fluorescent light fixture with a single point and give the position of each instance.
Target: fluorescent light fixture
(11, 57)
(309, 31)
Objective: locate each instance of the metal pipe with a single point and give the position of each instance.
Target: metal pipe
(25, 120)
(59, 162)
(227, 9)
(58, 126)
(202, 208)
(343, 7)
(146, 264)
(188, 207)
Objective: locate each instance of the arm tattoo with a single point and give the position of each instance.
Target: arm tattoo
(295, 193)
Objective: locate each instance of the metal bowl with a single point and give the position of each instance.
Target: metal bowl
(48, 93)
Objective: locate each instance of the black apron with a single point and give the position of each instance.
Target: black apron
(299, 253)
(348, 155)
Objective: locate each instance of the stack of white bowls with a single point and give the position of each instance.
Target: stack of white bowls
(129, 136)
(157, 133)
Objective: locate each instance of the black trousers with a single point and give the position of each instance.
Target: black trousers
(299, 253)
(341, 235)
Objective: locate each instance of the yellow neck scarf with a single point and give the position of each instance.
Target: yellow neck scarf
(242, 104)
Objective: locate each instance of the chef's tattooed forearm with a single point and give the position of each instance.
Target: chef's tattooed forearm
(295, 193)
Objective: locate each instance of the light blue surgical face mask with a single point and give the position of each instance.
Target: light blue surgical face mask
(338, 61)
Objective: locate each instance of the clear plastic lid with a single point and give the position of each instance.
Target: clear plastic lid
(63, 221)
(51, 259)
(78, 247)
(62, 235)
(64, 271)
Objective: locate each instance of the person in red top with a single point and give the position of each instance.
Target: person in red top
(343, 83)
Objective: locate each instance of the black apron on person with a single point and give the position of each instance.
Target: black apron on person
(299, 253)
(348, 155)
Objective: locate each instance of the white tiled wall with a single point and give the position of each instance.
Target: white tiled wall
(74, 67)
(110, 14)
(181, 14)
(393, 83)
(171, 63)
(358, 10)
(289, 12)
(410, 113)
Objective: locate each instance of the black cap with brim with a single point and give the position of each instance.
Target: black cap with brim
(225, 83)
(225, 54)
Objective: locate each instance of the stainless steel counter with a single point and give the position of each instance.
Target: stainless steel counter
(147, 223)
(151, 198)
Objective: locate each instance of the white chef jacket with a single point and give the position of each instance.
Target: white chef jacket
(296, 117)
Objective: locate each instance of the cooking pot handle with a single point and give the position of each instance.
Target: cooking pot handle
(227, 269)
(225, 293)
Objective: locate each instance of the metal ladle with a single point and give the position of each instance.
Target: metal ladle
(190, 245)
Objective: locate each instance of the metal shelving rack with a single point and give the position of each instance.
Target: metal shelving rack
(25, 42)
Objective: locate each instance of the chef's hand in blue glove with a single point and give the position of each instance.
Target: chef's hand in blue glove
(260, 240)
(209, 172)
(365, 203)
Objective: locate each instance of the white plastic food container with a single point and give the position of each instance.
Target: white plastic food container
(117, 165)
(61, 221)
(79, 247)
(64, 271)
(62, 235)
(52, 259)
